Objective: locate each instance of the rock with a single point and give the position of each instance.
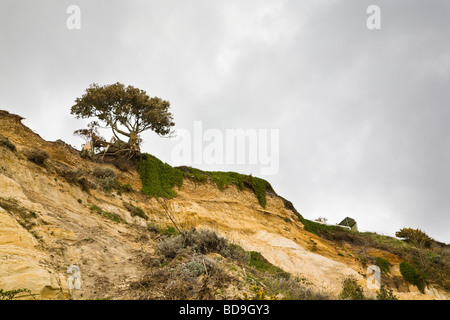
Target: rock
(20, 261)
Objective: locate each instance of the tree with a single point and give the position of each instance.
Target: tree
(416, 236)
(92, 137)
(127, 110)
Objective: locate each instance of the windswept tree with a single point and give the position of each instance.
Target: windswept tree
(127, 110)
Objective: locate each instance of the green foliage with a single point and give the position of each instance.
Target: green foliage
(351, 290)
(108, 215)
(259, 186)
(158, 178)
(95, 209)
(258, 262)
(6, 143)
(318, 228)
(223, 179)
(135, 211)
(410, 274)
(385, 294)
(114, 217)
(127, 110)
(169, 231)
(383, 264)
(415, 236)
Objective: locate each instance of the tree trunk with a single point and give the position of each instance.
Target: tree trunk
(133, 141)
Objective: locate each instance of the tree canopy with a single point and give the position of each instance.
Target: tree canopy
(415, 236)
(127, 110)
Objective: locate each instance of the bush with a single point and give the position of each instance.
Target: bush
(135, 211)
(294, 289)
(412, 276)
(170, 247)
(113, 217)
(416, 236)
(6, 143)
(206, 241)
(385, 294)
(102, 173)
(76, 176)
(351, 290)
(258, 262)
(383, 264)
(37, 156)
(109, 215)
(199, 265)
(107, 179)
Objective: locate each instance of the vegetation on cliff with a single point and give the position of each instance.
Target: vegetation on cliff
(159, 179)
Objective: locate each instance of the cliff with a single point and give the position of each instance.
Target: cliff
(64, 210)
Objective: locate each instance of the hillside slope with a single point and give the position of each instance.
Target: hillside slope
(63, 211)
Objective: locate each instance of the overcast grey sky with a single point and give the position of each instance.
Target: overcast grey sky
(363, 114)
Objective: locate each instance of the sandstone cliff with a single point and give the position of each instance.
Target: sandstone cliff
(47, 223)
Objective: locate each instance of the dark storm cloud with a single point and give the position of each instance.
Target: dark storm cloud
(362, 114)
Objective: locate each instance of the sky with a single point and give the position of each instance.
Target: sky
(362, 114)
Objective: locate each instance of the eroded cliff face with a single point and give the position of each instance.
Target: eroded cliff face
(46, 225)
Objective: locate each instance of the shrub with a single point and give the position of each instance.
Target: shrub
(385, 294)
(199, 265)
(113, 217)
(170, 247)
(95, 208)
(412, 276)
(135, 211)
(258, 262)
(37, 156)
(168, 231)
(103, 173)
(109, 215)
(416, 236)
(110, 182)
(383, 264)
(294, 289)
(6, 143)
(351, 290)
(205, 241)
